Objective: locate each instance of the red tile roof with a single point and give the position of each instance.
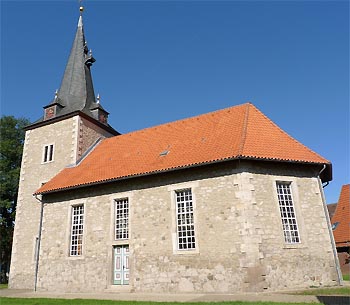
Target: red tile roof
(236, 132)
(341, 216)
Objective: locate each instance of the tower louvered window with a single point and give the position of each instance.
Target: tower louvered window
(185, 220)
(122, 219)
(287, 212)
(77, 230)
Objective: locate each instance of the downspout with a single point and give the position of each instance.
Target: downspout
(38, 243)
(334, 249)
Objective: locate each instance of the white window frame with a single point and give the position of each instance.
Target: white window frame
(185, 222)
(48, 153)
(121, 219)
(288, 213)
(77, 230)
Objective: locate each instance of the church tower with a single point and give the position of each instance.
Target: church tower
(71, 123)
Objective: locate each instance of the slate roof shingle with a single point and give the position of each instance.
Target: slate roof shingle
(237, 132)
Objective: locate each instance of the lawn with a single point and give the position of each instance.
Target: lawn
(12, 301)
(339, 291)
(327, 291)
(3, 286)
(346, 277)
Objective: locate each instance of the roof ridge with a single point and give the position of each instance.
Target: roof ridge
(244, 130)
(181, 120)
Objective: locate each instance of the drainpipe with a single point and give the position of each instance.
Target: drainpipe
(334, 249)
(38, 243)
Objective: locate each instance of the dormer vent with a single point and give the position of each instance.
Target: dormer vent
(164, 152)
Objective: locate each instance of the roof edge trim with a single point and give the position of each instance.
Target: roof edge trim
(327, 177)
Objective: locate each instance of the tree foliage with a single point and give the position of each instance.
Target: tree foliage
(11, 147)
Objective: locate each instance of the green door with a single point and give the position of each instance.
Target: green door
(121, 265)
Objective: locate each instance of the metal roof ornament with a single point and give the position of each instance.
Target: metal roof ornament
(81, 8)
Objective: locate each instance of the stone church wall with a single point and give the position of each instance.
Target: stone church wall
(240, 244)
(69, 138)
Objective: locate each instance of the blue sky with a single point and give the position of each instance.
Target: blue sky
(159, 61)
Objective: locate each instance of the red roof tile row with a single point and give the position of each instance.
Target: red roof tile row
(341, 218)
(236, 132)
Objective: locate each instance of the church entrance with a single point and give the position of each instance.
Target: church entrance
(121, 265)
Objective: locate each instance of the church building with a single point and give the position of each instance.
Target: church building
(223, 202)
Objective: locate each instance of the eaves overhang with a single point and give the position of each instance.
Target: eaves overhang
(325, 176)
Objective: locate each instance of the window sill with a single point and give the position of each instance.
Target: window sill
(186, 252)
(294, 246)
(47, 162)
(75, 258)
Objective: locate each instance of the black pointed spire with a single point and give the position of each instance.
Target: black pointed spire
(76, 92)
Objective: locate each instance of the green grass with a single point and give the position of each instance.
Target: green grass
(346, 277)
(3, 286)
(327, 291)
(13, 301)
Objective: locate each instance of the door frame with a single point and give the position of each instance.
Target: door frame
(121, 265)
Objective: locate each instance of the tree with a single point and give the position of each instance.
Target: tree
(11, 147)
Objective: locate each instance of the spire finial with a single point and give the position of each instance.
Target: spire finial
(81, 8)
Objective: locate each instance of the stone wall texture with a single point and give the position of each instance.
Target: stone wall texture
(71, 138)
(240, 244)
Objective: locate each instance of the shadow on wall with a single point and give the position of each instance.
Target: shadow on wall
(334, 300)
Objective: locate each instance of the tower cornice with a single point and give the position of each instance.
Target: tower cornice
(42, 122)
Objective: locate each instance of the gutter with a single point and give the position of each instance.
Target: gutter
(334, 249)
(166, 170)
(38, 243)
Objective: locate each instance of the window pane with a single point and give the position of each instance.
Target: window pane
(45, 153)
(288, 217)
(185, 220)
(48, 153)
(122, 219)
(77, 229)
(51, 153)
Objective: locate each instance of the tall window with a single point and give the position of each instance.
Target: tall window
(122, 218)
(77, 230)
(287, 211)
(48, 153)
(185, 220)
